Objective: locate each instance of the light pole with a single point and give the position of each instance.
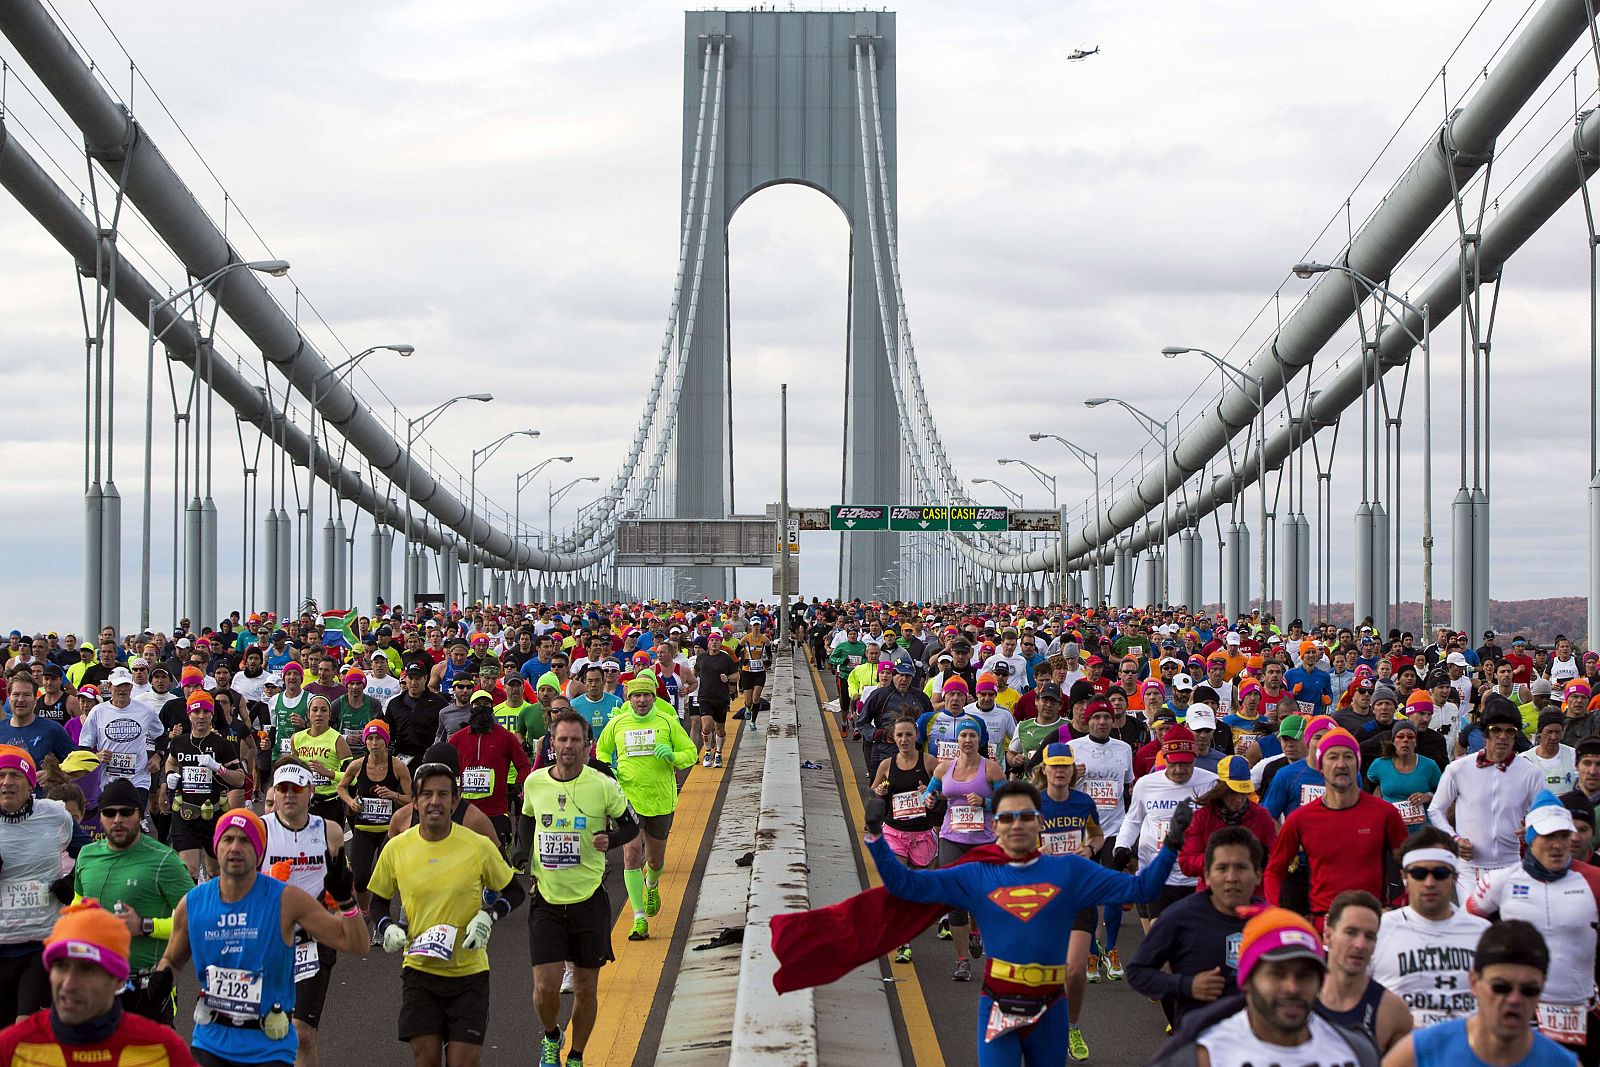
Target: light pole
(277, 268)
(1090, 460)
(1010, 493)
(555, 498)
(480, 456)
(338, 372)
(1049, 482)
(1172, 352)
(1307, 270)
(527, 476)
(414, 429)
(1157, 430)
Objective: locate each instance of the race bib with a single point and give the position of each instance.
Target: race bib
(1103, 791)
(1161, 826)
(907, 805)
(558, 850)
(123, 765)
(306, 963)
(434, 943)
(1309, 792)
(757, 664)
(946, 750)
(477, 780)
(639, 742)
(966, 819)
(233, 992)
(285, 746)
(319, 780)
(854, 661)
(1413, 813)
(196, 779)
(1061, 843)
(1566, 1023)
(376, 809)
(23, 895)
(1305, 706)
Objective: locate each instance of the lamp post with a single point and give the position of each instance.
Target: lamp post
(338, 372)
(1049, 482)
(1172, 352)
(555, 498)
(527, 476)
(1157, 430)
(1307, 270)
(277, 268)
(1091, 461)
(480, 456)
(414, 429)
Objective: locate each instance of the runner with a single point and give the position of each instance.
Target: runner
(324, 751)
(124, 734)
(442, 872)
(1155, 797)
(646, 746)
(87, 956)
(1482, 800)
(755, 648)
(1067, 827)
(1107, 777)
(883, 710)
(140, 880)
(201, 767)
(356, 708)
(1424, 950)
(571, 816)
(34, 835)
(289, 708)
(967, 784)
(246, 975)
(1350, 997)
(715, 668)
(372, 787)
(902, 779)
(489, 752)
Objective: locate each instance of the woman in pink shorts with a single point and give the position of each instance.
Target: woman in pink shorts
(902, 780)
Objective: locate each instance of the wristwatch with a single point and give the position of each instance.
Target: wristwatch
(147, 927)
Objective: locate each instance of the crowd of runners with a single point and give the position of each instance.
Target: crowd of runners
(1341, 846)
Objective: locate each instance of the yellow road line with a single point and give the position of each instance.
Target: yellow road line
(908, 990)
(629, 985)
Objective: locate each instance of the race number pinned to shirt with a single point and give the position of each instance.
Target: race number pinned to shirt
(1021, 1014)
(1566, 1023)
(23, 895)
(946, 750)
(123, 765)
(1309, 792)
(1061, 842)
(376, 809)
(907, 805)
(1412, 812)
(1103, 791)
(233, 992)
(559, 850)
(639, 742)
(434, 943)
(477, 781)
(196, 779)
(966, 819)
(306, 963)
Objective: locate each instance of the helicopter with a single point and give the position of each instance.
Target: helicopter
(1080, 54)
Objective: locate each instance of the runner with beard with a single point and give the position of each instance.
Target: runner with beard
(488, 754)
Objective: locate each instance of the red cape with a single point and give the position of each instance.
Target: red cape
(824, 944)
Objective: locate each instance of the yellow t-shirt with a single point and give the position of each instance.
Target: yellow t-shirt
(442, 883)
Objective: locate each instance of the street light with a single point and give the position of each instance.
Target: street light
(1046, 480)
(523, 479)
(339, 372)
(1172, 352)
(1157, 430)
(1090, 460)
(275, 268)
(414, 429)
(480, 456)
(555, 498)
(1307, 270)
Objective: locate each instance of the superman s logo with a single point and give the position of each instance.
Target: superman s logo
(1024, 901)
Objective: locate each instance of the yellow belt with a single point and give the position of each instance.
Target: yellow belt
(1034, 974)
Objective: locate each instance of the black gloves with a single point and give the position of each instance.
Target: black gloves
(158, 986)
(1121, 858)
(339, 882)
(61, 889)
(877, 811)
(1182, 816)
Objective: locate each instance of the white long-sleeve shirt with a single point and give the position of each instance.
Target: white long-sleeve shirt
(1150, 811)
(1490, 804)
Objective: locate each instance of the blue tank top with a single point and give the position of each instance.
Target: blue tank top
(245, 967)
(1445, 1045)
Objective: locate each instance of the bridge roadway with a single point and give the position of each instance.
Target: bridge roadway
(664, 1002)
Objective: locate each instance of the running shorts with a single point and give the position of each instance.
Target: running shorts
(918, 848)
(716, 712)
(578, 932)
(311, 994)
(751, 679)
(192, 836)
(656, 826)
(452, 1009)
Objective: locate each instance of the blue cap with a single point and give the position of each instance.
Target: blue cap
(1059, 754)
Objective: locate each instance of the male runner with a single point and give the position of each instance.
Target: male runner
(646, 746)
(1350, 997)
(716, 669)
(201, 767)
(34, 835)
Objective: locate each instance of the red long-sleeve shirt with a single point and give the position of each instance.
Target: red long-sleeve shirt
(1346, 848)
(495, 752)
(1207, 821)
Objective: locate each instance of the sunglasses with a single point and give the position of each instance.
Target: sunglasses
(1007, 817)
(1502, 988)
(119, 813)
(1438, 874)
(290, 787)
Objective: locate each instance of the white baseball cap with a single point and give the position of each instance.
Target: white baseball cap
(1183, 681)
(121, 676)
(1201, 718)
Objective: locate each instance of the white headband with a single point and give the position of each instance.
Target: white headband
(1434, 855)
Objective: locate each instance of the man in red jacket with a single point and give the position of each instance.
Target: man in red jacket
(1346, 834)
(488, 751)
(1231, 802)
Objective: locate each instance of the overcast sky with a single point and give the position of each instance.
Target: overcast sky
(497, 183)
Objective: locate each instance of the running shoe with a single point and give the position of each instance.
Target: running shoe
(716, 760)
(1113, 965)
(902, 954)
(1093, 969)
(574, 1061)
(641, 930)
(652, 899)
(943, 933)
(963, 971)
(566, 979)
(975, 944)
(550, 1052)
(705, 760)
(1077, 1047)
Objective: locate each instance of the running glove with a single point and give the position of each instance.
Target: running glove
(1182, 815)
(663, 751)
(395, 937)
(477, 932)
(1122, 858)
(339, 881)
(877, 811)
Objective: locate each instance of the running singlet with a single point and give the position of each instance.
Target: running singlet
(375, 811)
(321, 754)
(907, 812)
(288, 719)
(1362, 1017)
(967, 820)
(244, 969)
(565, 865)
(1231, 1043)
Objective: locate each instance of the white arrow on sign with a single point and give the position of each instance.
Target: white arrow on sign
(923, 524)
(850, 522)
(977, 524)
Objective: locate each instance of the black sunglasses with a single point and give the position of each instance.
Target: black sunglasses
(1503, 988)
(1438, 874)
(119, 813)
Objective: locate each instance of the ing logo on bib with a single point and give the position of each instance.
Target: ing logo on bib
(1024, 901)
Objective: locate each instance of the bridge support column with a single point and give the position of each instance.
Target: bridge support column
(209, 615)
(111, 556)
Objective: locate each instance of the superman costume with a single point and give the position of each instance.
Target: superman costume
(1025, 909)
